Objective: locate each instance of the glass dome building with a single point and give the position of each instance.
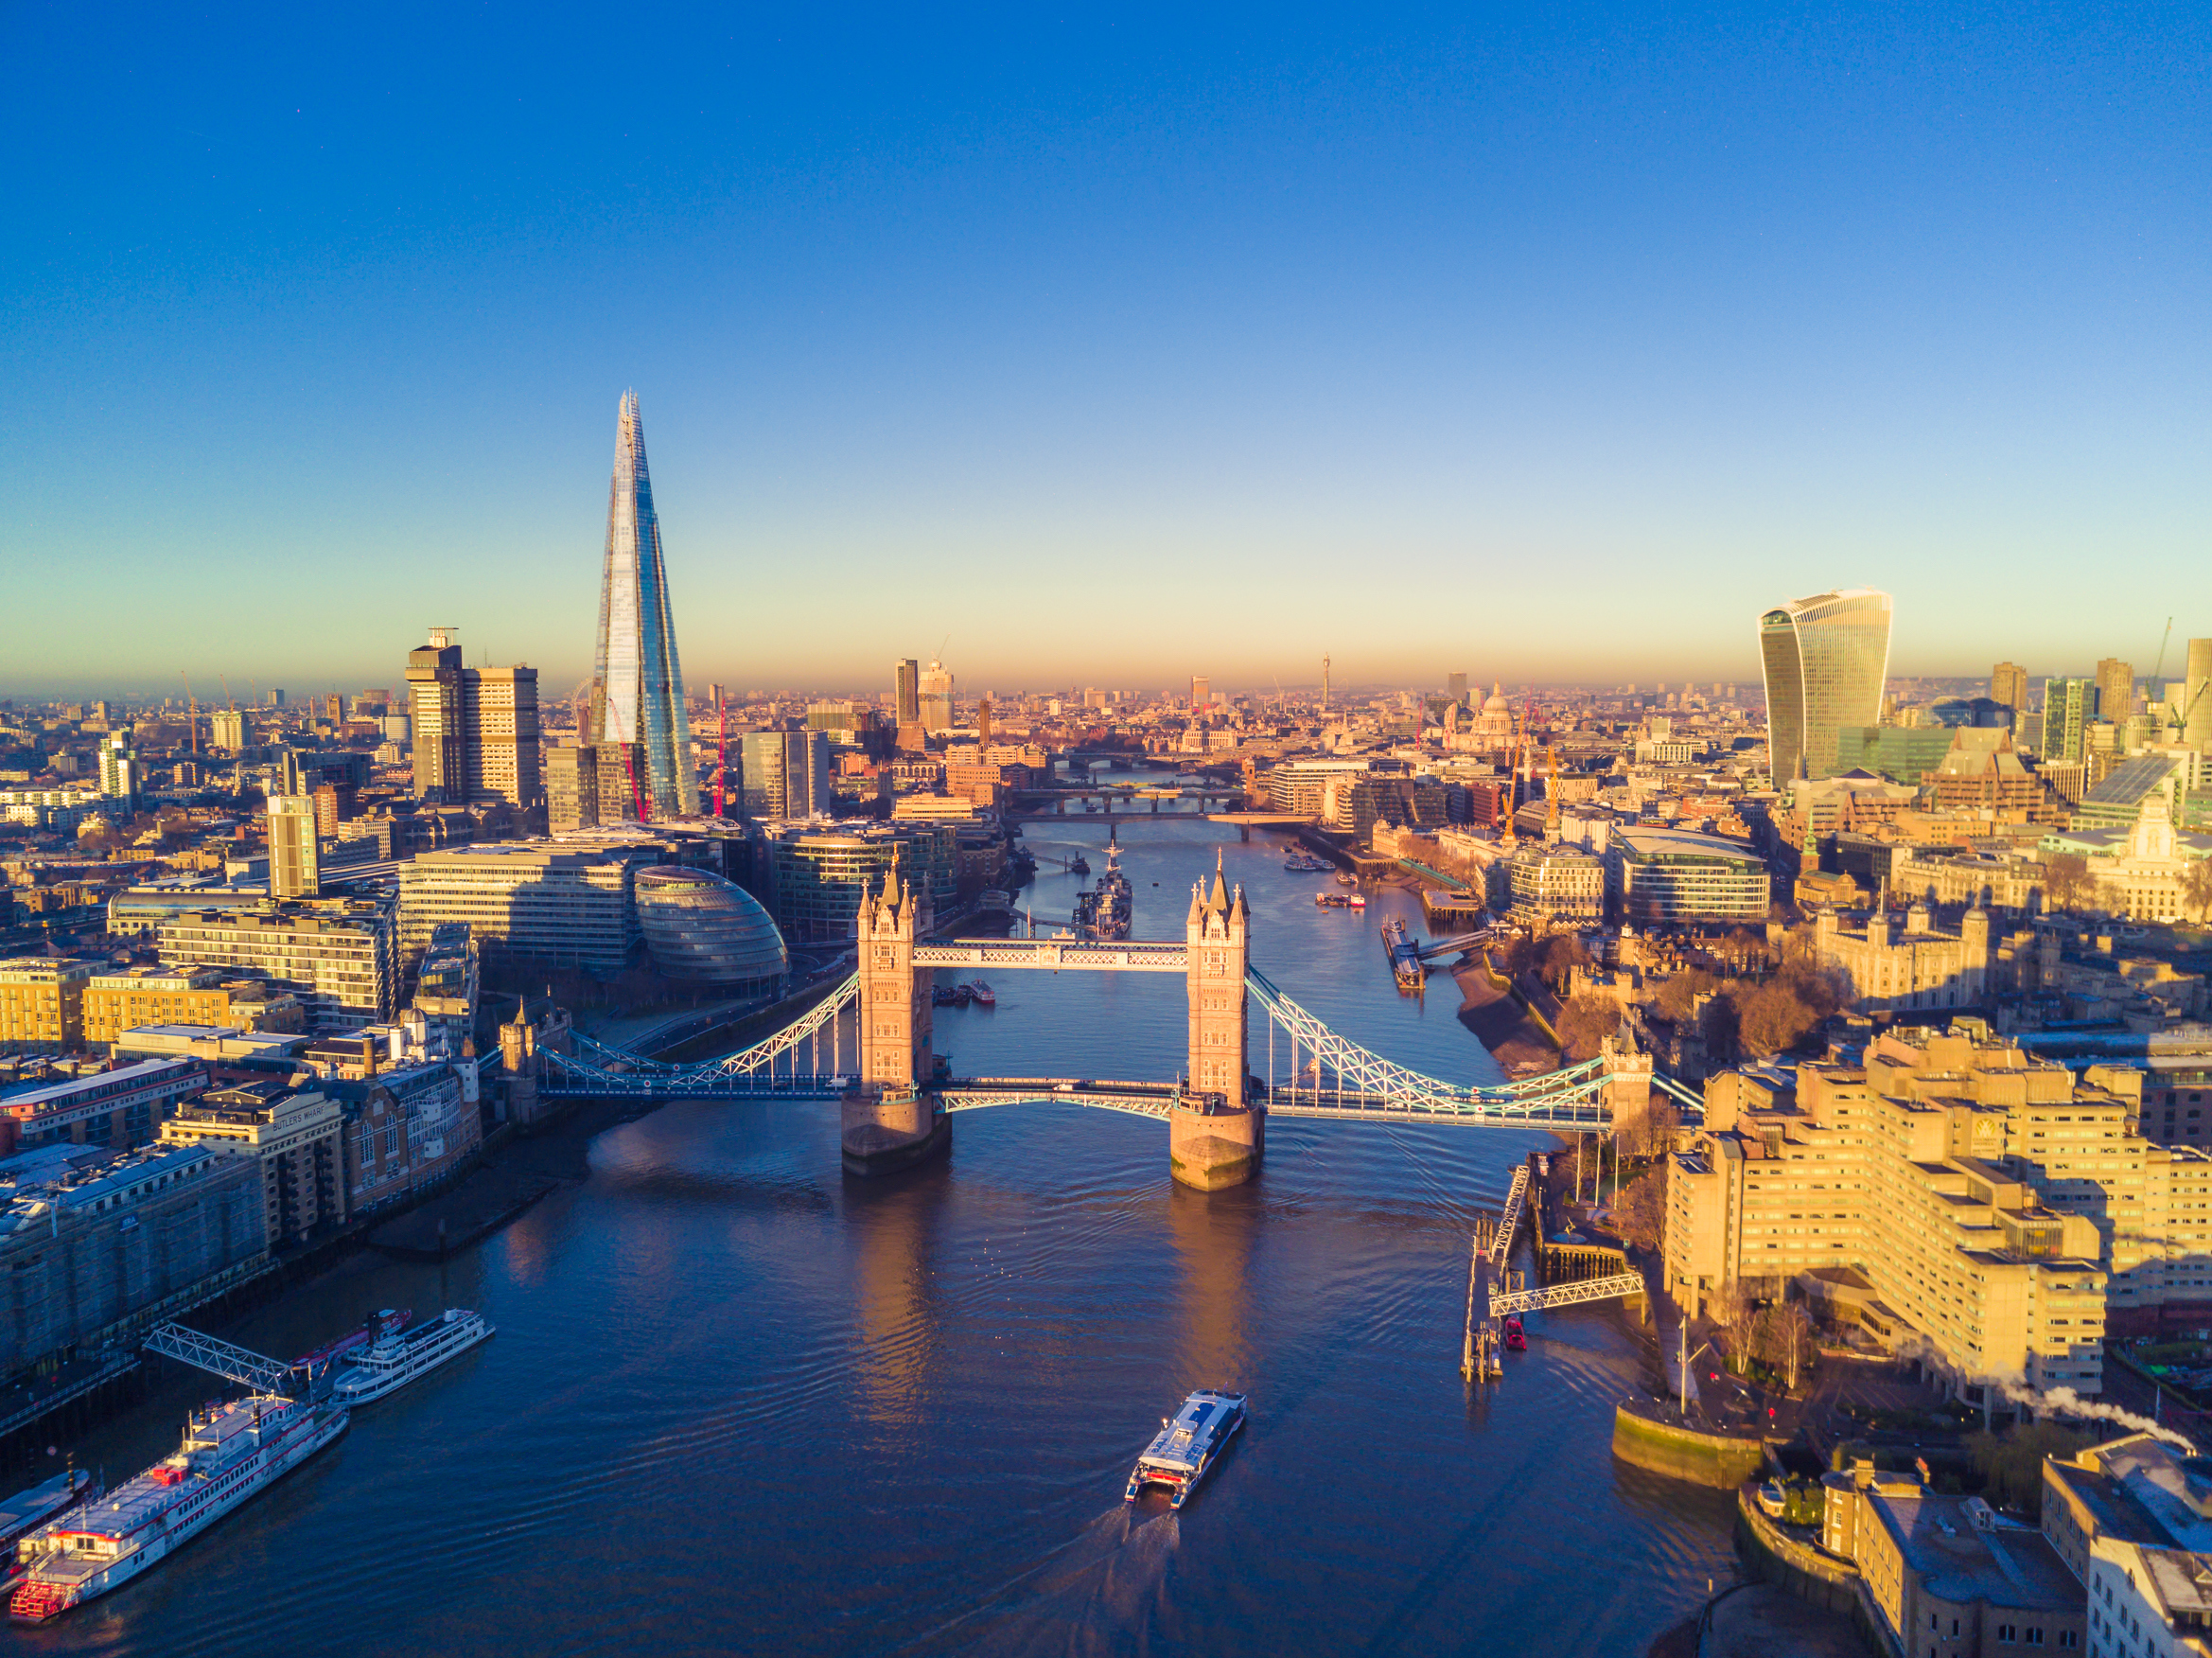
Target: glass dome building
(701, 928)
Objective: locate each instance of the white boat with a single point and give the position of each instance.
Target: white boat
(397, 1360)
(1190, 1444)
(231, 1452)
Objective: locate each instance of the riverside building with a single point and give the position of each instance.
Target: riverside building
(1978, 1206)
(290, 1134)
(95, 1252)
(546, 901)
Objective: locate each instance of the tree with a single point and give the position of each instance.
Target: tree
(2011, 1463)
(1772, 1020)
(1679, 995)
(2196, 888)
(1640, 1207)
(1785, 1339)
(2066, 882)
(1584, 1022)
(1563, 954)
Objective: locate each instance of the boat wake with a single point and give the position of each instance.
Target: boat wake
(1104, 1593)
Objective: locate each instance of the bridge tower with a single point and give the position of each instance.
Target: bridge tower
(890, 1119)
(1627, 1090)
(1217, 1139)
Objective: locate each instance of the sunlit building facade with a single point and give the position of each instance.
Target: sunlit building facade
(637, 686)
(701, 928)
(1826, 659)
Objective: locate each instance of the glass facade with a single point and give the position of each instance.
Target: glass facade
(638, 686)
(1826, 659)
(2066, 712)
(699, 928)
(819, 874)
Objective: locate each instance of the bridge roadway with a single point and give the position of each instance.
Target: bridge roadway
(1053, 955)
(1566, 1113)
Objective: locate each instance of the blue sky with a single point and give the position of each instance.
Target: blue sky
(1114, 344)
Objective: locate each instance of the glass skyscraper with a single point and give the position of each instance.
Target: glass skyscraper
(638, 684)
(1827, 658)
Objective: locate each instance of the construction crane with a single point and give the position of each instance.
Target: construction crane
(2164, 640)
(228, 700)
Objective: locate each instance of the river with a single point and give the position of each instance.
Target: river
(741, 1403)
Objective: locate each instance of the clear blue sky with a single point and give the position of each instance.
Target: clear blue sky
(1116, 343)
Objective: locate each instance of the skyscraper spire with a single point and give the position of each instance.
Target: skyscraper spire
(638, 687)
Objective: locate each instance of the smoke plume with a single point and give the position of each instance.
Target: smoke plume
(2065, 1401)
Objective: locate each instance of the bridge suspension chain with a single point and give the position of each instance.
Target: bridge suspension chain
(1368, 1077)
(746, 1062)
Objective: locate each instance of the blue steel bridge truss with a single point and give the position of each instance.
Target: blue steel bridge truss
(1330, 1076)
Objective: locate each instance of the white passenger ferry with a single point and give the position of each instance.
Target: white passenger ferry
(231, 1452)
(397, 1360)
(1190, 1444)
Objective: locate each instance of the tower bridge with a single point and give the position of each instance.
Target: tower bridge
(898, 1097)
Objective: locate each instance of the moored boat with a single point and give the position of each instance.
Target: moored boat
(231, 1452)
(1188, 1445)
(985, 997)
(26, 1511)
(397, 1360)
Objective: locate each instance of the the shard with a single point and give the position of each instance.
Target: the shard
(638, 684)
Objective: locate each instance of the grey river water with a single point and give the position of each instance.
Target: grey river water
(740, 1403)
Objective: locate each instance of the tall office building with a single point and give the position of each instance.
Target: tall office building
(1455, 687)
(475, 728)
(1826, 659)
(784, 774)
(2116, 691)
(2067, 716)
(2009, 685)
(294, 870)
(120, 777)
(1201, 693)
(936, 698)
(638, 683)
(2197, 695)
(907, 679)
(228, 729)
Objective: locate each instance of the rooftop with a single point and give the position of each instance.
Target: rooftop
(2005, 1566)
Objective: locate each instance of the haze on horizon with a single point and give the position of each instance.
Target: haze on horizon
(1115, 349)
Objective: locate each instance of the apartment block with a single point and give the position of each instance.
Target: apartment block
(42, 1004)
(1980, 1205)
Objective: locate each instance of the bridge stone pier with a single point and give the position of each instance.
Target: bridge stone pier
(1218, 1140)
(890, 1119)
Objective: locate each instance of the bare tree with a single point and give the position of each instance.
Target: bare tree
(2066, 882)
(1787, 1339)
(1640, 1207)
(1586, 1022)
(2196, 888)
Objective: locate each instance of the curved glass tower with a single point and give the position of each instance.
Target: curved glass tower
(1826, 659)
(638, 684)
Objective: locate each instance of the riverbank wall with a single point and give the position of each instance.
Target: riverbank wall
(1720, 1460)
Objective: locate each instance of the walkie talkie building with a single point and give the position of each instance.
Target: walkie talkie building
(1827, 658)
(638, 683)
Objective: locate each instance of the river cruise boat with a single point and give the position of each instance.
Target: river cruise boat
(26, 1511)
(1515, 1337)
(397, 1360)
(1190, 1444)
(231, 1454)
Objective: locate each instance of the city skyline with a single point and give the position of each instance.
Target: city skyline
(1247, 311)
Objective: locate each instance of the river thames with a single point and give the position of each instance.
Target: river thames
(741, 1403)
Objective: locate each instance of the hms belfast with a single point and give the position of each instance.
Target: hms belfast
(1104, 912)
